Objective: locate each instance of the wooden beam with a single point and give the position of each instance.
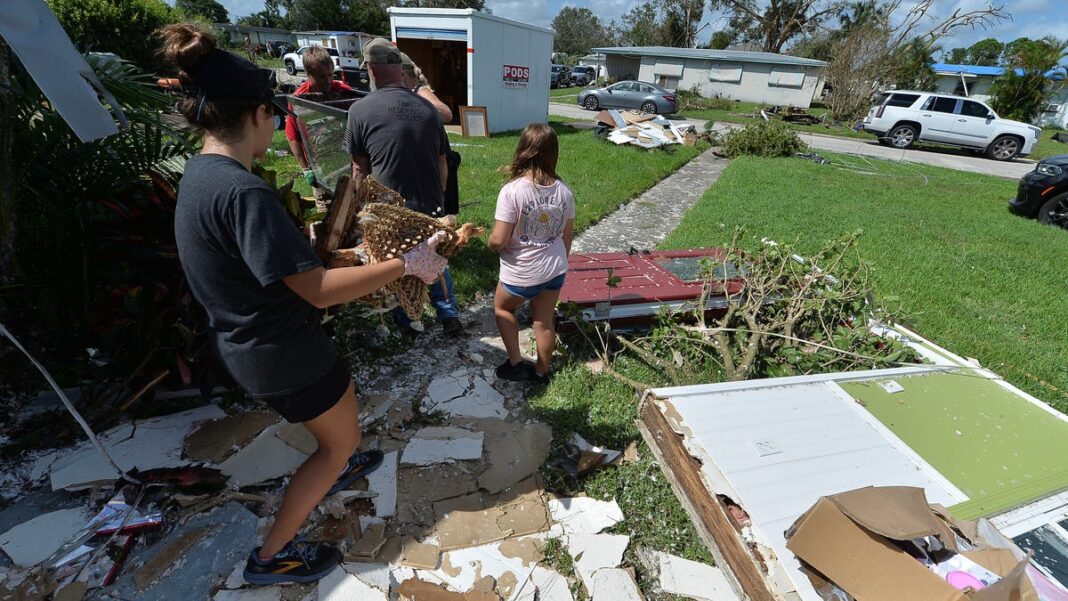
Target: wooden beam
(708, 515)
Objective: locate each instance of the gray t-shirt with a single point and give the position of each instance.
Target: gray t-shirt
(403, 136)
(236, 242)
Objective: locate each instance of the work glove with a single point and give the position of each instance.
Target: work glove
(423, 262)
(309, 176)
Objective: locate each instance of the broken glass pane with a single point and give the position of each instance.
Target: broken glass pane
(1050, 550)
(322, 131)
(688, 269)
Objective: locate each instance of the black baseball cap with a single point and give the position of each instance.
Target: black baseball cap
(225, 76)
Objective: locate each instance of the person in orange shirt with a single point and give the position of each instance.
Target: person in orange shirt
(320, 69)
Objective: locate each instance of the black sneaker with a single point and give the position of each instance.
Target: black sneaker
(298, 561)
(520, 372)
(452, 326)
(360, 464)
(536, 378)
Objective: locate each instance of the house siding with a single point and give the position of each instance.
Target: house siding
(765, 83)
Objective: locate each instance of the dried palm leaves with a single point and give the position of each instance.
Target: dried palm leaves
(390, 231)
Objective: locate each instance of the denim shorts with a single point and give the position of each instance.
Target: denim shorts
(529, 292)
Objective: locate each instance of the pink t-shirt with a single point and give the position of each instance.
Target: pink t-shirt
(536, 252)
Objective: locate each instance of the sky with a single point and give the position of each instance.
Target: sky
(1030, 18)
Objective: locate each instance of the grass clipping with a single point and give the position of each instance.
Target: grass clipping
(389, 231)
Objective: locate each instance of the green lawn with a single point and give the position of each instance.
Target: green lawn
(1047, 146)
(947, 255)
(601, 175)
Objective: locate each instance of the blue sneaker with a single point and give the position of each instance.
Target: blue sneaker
(360, 464)
(298, 561)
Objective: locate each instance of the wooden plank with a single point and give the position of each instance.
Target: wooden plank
(708, 515)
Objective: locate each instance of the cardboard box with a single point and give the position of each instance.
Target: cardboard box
(851, 539)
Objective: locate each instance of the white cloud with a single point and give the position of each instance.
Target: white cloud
(535, 12)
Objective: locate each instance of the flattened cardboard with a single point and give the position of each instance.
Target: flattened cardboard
(897, 512)
(841, 538)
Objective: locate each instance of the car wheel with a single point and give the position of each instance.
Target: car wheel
(1055, 211)
(1004, 148)
(649, 107)
(591, 103)
(291, 68)
(902, 136)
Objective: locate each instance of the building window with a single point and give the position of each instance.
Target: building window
(725, 73)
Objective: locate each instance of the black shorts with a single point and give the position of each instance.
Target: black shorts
(314, 399)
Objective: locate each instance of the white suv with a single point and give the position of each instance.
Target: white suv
(901, 117)
(295, 60)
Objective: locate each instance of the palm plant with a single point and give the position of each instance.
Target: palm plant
(1023, 91)
(94, 247)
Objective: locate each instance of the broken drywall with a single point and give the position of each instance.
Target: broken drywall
(477, 519)
(461, 569)
(464, 395)
(594, 552)
(419, 487)
(191, 558)
(339, 585)
(265, 458)
(692, 579)
(215, 440)
(614, 584)
(145, 444)
(551, 586)
(376, 575)
(383, 483)
(259, 593)
(513, 450)
(442, 444)
(583, 515)
(298, 437)
(34, 541)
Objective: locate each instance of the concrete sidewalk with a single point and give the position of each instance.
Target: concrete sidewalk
(974, 164)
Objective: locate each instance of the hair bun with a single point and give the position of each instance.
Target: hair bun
(186, 45)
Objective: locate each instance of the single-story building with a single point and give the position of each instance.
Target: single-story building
(975, 81)
(765, 77)
(257, 35)
(349, 44)
(477, 59)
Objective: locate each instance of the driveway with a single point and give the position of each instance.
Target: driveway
(961, 162)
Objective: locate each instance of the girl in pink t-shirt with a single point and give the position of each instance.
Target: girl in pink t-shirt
(532, 234)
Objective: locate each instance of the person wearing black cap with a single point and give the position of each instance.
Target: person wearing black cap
(397, 136)
(263, 288)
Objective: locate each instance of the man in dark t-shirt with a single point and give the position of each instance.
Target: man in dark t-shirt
(398, 137)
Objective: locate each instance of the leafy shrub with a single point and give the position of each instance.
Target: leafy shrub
(123, 27)
(763, 139)
(690, 99)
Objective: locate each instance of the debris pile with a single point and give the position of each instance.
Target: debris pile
(457, 509)
(643, 129)
(791, 114)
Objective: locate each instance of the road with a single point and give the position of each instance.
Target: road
(961, 162)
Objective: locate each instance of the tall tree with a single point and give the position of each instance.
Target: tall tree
(894, 48)
(643, 26)
(985, 52)
(681, 21)
(1023, 91)
(578, 30)
(956, 56)
(776, 23)
(270, 16)
(346, 15)
(207, 9)
(720, 40)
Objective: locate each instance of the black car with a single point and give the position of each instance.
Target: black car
(1043, 193)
